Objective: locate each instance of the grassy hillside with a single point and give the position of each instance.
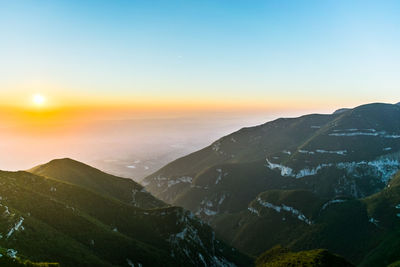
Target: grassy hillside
(365, 231)
(9, 259)
(77, 173)
(394, 264)
(46, 220)
(384, 207)
(322, 153)
(282, 257)
(300, 182)
(300, 220)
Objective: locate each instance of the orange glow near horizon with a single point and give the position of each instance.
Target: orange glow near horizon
(163, 103)
(43, 109)
(42, 101)
(56, 112)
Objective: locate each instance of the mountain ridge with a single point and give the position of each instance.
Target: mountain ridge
(339, 159)
(78, 173)
(87, 228)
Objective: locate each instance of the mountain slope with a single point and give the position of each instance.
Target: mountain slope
(384, 207)
(8, 258)
(300, 220)
(44, 219)
(326, 153)
(366, 231)
(282, 257)
(80, 174)
(294, 182)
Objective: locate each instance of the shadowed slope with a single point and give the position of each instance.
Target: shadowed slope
(299, 182)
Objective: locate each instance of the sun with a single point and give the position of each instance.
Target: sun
(38, 99)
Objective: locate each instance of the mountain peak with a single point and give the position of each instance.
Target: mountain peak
(370, 106)
(65, 162)
(341, 110)
(78, 173)
(376, 105)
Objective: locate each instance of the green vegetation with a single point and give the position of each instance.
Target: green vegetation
(54, 221)
(394, 264)
(80, 174)
(7, 259)
(317, 181)
(282, 257)
(10, 262)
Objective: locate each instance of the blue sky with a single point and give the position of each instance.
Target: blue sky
(257, 53)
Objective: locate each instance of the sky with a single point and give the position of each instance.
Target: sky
(109, 70)
(202, 55)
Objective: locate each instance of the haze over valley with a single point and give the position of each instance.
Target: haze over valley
(131, 148)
